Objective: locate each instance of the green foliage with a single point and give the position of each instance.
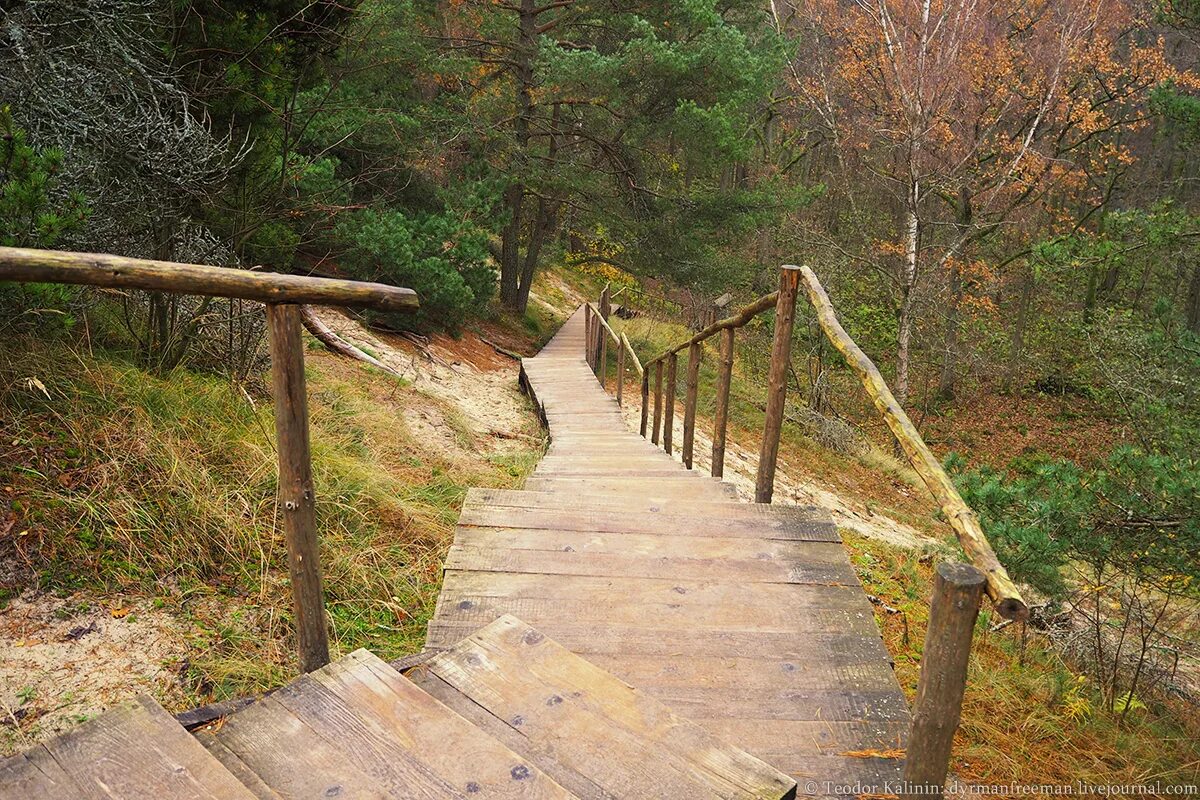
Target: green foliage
(434, 254)
(34, 211)
(1138, 511)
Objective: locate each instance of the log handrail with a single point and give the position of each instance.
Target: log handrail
(737, 320)
(1000, 587)
(283, 296)
(118, 272)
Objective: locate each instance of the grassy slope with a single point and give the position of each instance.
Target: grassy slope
(123, 483)
(1027, 717)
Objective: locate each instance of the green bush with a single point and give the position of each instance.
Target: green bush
(444, 261)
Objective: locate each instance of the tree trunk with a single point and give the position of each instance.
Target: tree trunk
(511, 267)
(904, 320)
(1193, 301)
(510, 248)
(950, 356)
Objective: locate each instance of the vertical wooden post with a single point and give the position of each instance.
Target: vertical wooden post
(645, 401)
(721, 417)
(620, 374)
(604, 308)
(658, 381)
(587, 334)
(296, 495)
(669, 402)
(781, 355)
(957, 591)
(691, 384)
(603, 366)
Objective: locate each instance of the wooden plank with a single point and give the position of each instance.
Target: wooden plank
(781, 551)
(773, 739)
(381, 719)
(633, 746)
(632, 640)
(36, 774)
(647, 566)
(248, 777)
(684, 486)
(617, 521)
(267, 737)
(817, 670)
(136, 750)
(296, 493)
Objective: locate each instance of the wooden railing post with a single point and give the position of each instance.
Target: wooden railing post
(721, 416)
(602, 367)
(957, 591)
(296, 495)
(658, 381)
(669, 402)
(620, 375)
(587, 334)
(781, 355)
(645, 403)
(605, 309)
(691, 384)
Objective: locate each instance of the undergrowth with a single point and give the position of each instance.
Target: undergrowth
(1027, 717)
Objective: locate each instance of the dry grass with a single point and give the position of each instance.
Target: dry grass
(116, 480)
(1027, 718)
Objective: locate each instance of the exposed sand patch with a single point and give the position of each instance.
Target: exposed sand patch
(466, 373)
(62, 661)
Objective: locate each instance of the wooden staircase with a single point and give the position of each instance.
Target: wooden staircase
(615, 568)
(507, 713)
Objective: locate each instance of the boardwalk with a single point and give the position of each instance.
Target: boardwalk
(746, 619)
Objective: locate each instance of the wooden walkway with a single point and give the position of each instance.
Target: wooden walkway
(747, 619)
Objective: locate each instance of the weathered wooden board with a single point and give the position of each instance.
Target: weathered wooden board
(629, 744)
(267, 736)
(135, 750)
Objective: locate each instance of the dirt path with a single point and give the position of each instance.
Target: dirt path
(63, 661)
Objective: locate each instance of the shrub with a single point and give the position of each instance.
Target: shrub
(439, 257)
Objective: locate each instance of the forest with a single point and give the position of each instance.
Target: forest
(1003, 200)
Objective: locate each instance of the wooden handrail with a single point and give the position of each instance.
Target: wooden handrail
(1000, 587)
(736, 320)
(118, 272)
(282, 295)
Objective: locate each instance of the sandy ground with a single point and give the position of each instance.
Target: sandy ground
(65, 660)
(467, 373)
(741, 467)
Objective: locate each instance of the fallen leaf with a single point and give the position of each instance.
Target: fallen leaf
(119, 613)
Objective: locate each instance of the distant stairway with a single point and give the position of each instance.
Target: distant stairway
(506, 713)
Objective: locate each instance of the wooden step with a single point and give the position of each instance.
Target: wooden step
(593, 733)
(134, 751)
(364, 730)
(684, 486)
